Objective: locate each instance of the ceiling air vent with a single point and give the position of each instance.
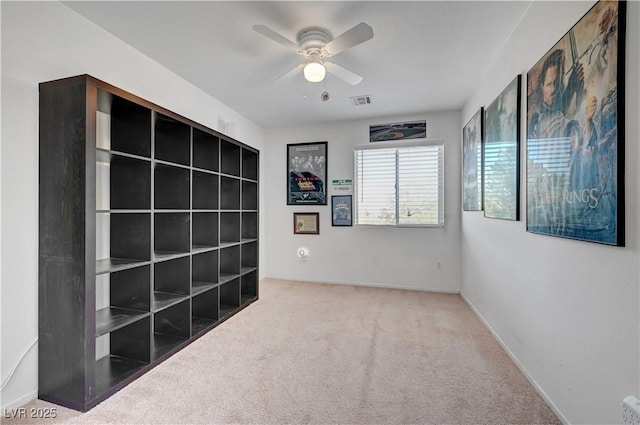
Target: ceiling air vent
(361, 100)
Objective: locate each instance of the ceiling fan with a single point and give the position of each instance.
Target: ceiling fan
(316, 45)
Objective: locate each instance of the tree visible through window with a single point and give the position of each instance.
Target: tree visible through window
(399, 185)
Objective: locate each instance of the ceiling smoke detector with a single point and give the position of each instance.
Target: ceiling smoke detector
(361, 100)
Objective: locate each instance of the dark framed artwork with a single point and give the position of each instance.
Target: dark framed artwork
(306, 223)
(307, 173)
(341, 208)
(575, 131)
(472, 163)
(501, 154)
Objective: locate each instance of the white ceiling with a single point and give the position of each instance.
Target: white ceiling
(424, 56)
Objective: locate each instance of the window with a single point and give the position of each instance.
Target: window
(399, 184)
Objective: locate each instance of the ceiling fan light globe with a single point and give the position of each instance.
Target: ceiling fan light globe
(314, 72)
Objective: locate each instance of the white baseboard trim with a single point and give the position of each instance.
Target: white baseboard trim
(19, 402)
(368, 284)
(515, 360)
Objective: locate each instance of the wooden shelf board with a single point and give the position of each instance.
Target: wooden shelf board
(228, 277)
(166, 255)
(110, 370)
(164, 343)
(198, 287)
(110, 265)
(202, 248)
(112, 318)
(199, 324)
(246, 270)
(162, 300)
(246, 299)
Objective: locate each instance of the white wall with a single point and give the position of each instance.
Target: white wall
(403, 258)
(42, 41)
(567, 311)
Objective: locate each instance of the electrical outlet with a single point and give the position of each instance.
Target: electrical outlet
(438, 264)
(631, 410)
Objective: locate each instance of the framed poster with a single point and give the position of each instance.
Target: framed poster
(341, 210)
(575, 131)
(501, 157)
(307, 173)
(472, 163)
(306, 223)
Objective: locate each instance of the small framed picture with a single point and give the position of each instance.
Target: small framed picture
(341, 210)
(306, 223)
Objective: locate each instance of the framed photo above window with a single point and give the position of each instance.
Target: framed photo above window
(307, 173)
(400, 184)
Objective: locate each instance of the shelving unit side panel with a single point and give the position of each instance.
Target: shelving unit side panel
(66, 297)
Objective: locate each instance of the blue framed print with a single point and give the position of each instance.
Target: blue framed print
(341, 210)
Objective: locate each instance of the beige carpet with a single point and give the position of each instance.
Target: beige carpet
(331, 354)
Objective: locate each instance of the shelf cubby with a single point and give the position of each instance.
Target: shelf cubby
(248, 287)
(205, 191)
(170, 282)
(249, 226)
(129, 288)
(206, 148)
(128, 351)
(204, 271)
(171, 328)
(171, 234)
(172, 141)
(122, 241)
(249, 164)
(229, 193)
(204, 310)
(229, 297)
(229, 228)
(129, 183)
(204, 230)
(249, 257)
(229, 158)
(123, 126)
(171, 187)
(229, 263)
(249, 195)
(130, 235)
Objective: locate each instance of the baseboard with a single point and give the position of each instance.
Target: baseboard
(517, 362)
(367, 284)
(19, 402)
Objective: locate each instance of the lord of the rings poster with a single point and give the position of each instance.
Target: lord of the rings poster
(307, 173)
(575, 140)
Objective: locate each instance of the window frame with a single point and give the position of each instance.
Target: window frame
(400, 145)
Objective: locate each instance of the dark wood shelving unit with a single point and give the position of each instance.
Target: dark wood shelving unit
(148, 236)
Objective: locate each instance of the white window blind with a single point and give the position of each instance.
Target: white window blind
(399, 184)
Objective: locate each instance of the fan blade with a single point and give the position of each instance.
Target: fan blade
(356, 35)
(269, 33)
(291, 73)
(343, 73)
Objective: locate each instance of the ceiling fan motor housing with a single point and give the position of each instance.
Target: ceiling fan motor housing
(312, 40)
